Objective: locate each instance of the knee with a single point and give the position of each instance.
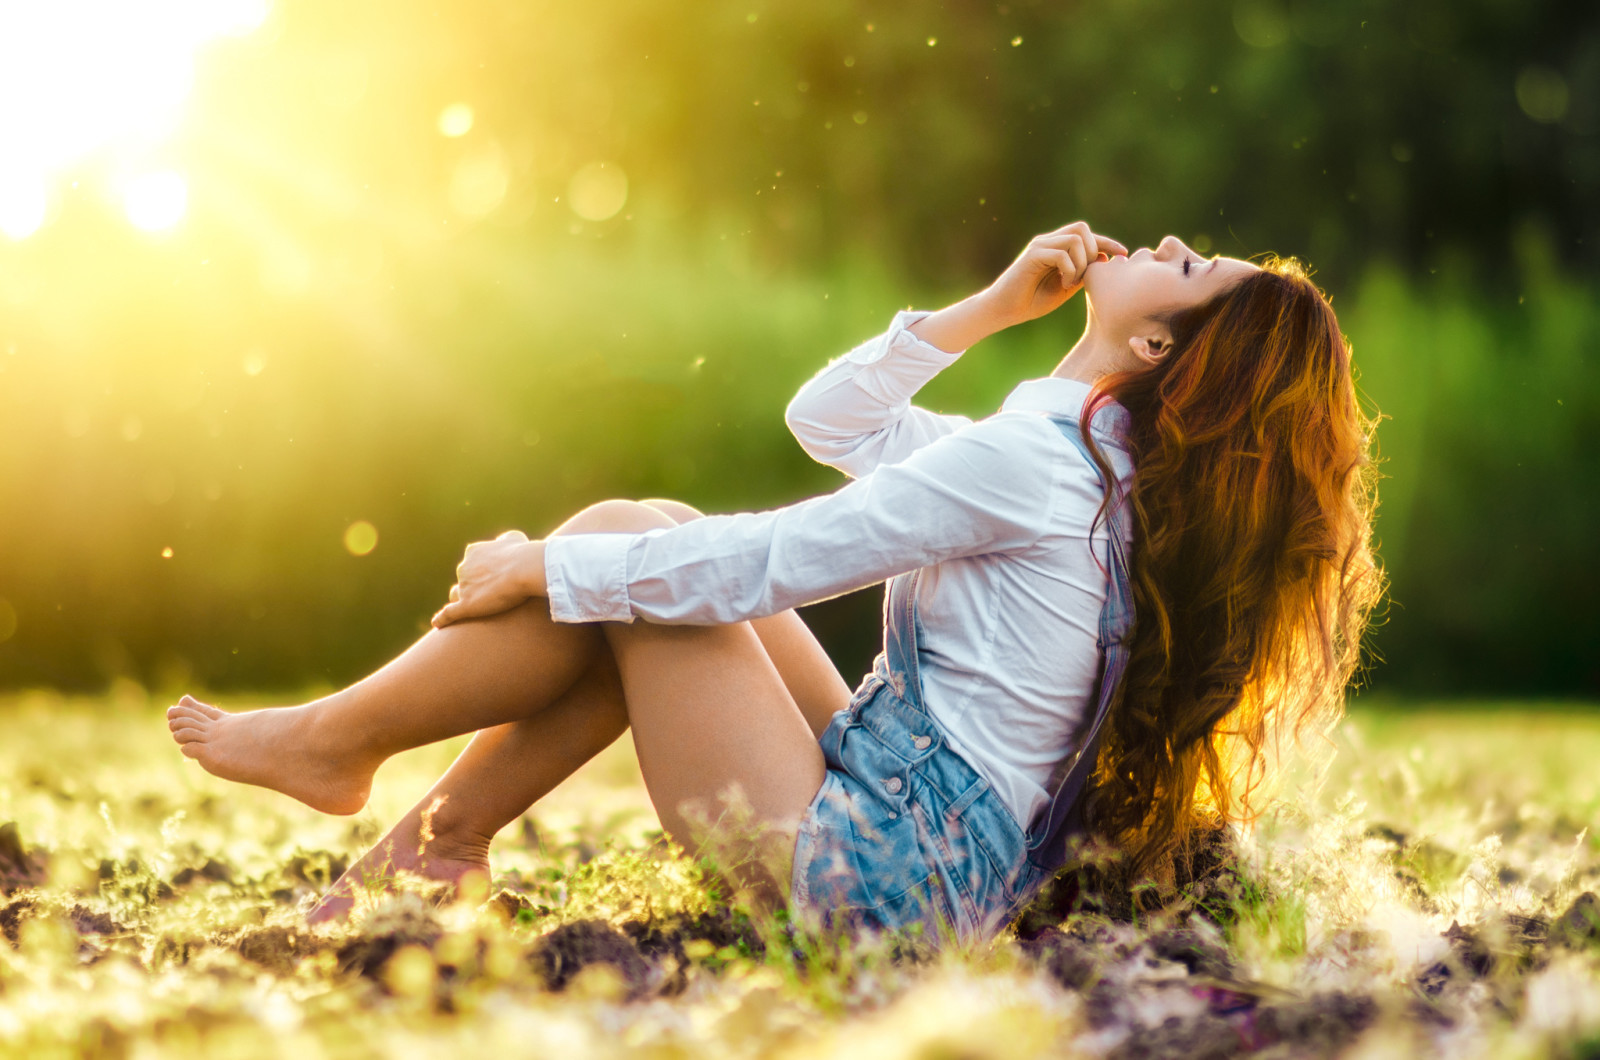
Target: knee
(616, 517)
(677, 511)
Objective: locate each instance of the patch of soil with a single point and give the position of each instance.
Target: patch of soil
(559, 956)
(11, 915)
(661, 941)
(88, 922)
(1579, 926)
(277, 948)
(213, 870)
(18, 868)
(1316, 1026)
(367, 954)
(1201, 879)
(1203, 1037)
(1199, 949)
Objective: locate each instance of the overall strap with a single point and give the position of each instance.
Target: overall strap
(898, 665)
(1047, 840)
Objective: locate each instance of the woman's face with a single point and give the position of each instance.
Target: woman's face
(1153, 284)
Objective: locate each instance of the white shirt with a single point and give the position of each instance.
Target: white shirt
(1000, 510)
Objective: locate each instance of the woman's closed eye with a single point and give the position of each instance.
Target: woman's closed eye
(1186, 263)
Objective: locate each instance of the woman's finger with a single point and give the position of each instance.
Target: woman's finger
(1110, 247)
(1078, 251)
(512, 535)
(1067, 241)
(455, 593)
(1066, 268)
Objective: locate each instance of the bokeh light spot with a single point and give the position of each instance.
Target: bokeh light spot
(24, 203)
(8, 620)
(1542, 94)
(166, 553)
(455, 120)
(479, 183)
(255, 362)
(156, 201)
(1261, 23)
(360, 538)
(597, 191)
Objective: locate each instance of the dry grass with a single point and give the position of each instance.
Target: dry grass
(1427, 900)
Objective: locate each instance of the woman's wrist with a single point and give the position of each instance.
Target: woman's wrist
(962, 325)
(530, 568)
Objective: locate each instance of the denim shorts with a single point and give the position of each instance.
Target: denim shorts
(904, 834)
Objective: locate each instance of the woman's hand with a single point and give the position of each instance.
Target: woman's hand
(494, 576)
(1048, 272)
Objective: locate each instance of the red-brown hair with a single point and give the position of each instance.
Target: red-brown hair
(1252, 569)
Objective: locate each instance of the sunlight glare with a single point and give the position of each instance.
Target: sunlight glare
(156, 201)
(79, 78)
(455, 120)
(24, 202)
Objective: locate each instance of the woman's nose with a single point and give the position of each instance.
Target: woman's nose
(1170, 247)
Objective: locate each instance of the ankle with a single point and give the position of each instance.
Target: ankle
(331, 729)
(470, 848)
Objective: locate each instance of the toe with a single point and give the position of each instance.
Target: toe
(188, 734)
(204, 709)
(192, 749)
(177, 719)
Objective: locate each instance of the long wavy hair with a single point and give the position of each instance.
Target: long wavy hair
(1252, 568)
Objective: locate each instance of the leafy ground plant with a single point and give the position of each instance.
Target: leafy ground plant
(1433, 897)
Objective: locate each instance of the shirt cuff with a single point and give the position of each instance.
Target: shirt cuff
(586, 577)
(891, 381)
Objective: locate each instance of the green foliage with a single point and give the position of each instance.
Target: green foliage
(332, 337)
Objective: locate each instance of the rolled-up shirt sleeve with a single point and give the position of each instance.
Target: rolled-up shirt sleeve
(856, 413)
(986, 488)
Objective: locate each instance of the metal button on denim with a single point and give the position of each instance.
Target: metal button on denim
(893, 784)
(922, 742)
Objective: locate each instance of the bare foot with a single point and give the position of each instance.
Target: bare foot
(439, 858)
(280, 748)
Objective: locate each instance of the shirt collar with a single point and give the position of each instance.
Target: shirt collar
(1064, 398)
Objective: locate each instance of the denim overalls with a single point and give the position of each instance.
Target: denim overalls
(903, 830)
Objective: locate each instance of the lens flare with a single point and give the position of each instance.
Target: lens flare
(360, 538)
(156, 201)
(455, 120)
(24, 204)
(97, 81)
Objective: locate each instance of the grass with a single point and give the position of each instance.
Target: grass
(1427, 899)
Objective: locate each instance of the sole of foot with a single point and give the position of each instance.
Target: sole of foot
(276, 748)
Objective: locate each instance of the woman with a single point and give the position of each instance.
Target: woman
(1205, 424)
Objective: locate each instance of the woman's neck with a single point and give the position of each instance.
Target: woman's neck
(1094, 356)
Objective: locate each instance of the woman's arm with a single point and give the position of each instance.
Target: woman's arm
(987, 488)
(856, 414)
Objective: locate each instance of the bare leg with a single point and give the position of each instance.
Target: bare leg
(444, 684)
(503, 771)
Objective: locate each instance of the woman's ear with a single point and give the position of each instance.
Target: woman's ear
(1151, 350)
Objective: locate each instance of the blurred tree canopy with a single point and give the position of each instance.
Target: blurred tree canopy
(452, 268)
